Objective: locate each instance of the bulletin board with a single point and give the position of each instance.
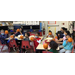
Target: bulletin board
(51, 22)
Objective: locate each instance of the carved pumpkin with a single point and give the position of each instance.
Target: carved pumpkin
(45, 45)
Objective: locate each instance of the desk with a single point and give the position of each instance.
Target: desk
(40, 46)
(24, 37)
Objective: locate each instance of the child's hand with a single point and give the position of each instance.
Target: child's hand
(46, 49)
(13, 34)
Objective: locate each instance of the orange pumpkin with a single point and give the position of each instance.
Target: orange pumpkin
(53, 39)
(56, 37)
(32, 38)
(45, 45)
(12, 36)
(6, 32)
(50, 33)
(18, 30)
(70, 39)
(21, 37)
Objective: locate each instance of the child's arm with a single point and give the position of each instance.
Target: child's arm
(8, 40)
(16, 39)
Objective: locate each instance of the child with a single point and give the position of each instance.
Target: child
(67, 45)
(50, 35)
(37, 41)
(3, 37)
(63, 39)
(12, 38)
(27, 36)
(60, 41)
(53, 46)
(2, 40)
(21, 31)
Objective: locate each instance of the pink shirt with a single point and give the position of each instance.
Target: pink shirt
(64, 38)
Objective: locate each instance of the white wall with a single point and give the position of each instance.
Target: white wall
(60, 23)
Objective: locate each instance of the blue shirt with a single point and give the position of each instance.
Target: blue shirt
(2, 38)
(67, 46)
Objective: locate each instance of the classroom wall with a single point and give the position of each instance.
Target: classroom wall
(55, 29)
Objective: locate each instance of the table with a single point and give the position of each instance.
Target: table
(24, 37)
(40, 46)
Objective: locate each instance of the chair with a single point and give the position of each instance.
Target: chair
(73, 49)
(13, 44)
(26, 45)
(46, 52)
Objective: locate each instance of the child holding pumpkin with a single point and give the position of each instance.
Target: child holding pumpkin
(60, 41)
(3, 36)
(67, 44)
(11, 38)
(53, 46)
(50, 34)
(27, 36)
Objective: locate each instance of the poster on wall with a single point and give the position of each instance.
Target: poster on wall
(26, 22)
(51, 22)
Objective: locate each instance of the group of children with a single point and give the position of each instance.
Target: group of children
(61, 41)
(3, 37)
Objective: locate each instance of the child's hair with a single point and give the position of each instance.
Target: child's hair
(67, 32)
(53, 45)
(28, 34)
(59, 32)
(38, 33)
(2, 30)
(50, 31)
(69, 35)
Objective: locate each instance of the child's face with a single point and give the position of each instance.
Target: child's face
(26, 35)
(67, 36)
(65, 33)
(62, 30)
(36, 34)
(58, 34)
(20, 29)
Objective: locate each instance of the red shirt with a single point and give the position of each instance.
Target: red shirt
(36, 43)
